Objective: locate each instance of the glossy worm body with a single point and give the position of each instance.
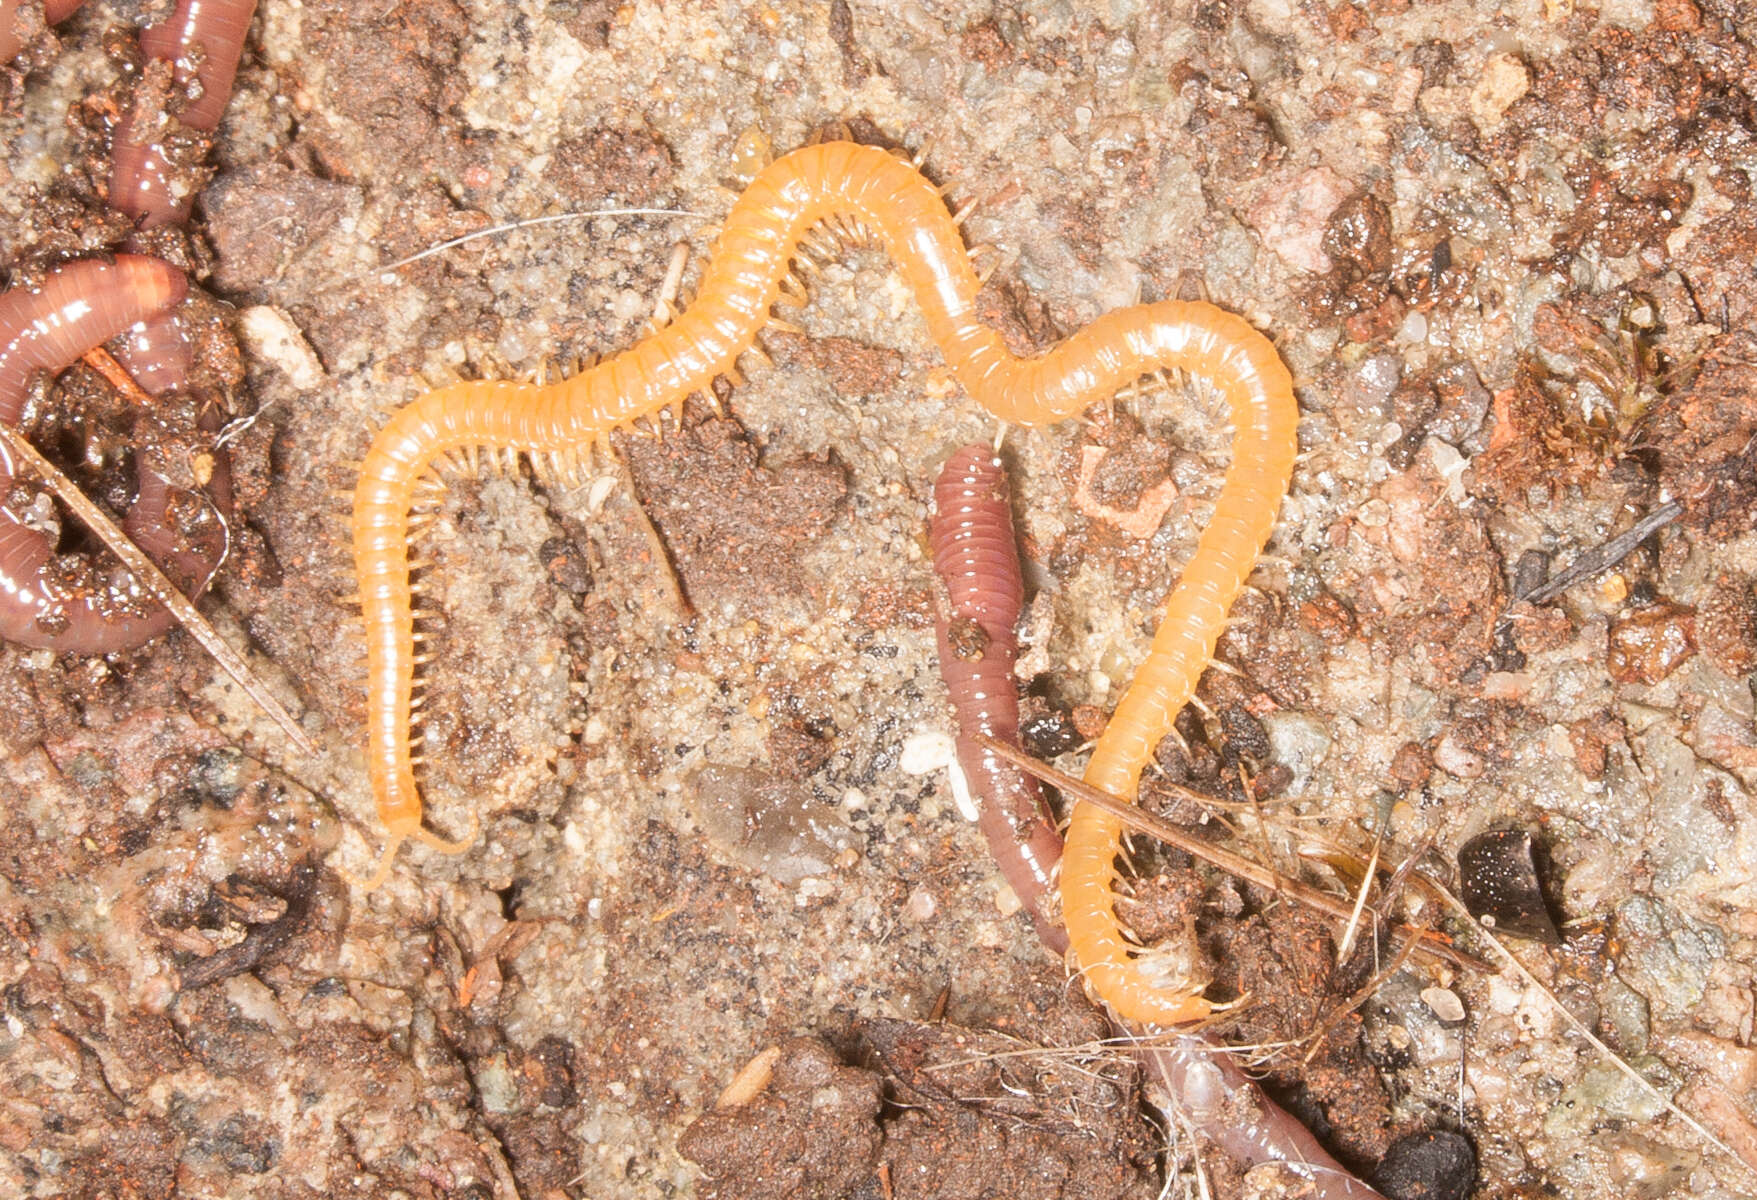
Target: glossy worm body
(752, 257)
(977, 564)
(203, 39)
(54, 602)
(64, 602)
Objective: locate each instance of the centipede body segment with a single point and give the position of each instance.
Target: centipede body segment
(874, 191)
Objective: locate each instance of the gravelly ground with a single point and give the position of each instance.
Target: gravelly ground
(1506, 250)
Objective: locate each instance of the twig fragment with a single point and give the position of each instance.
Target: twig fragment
(1427, 941)
(155, 582)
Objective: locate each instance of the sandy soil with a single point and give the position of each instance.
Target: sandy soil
(1506, 250)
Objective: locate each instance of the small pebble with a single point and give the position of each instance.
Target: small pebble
(921, 905)
(926, 752)
(1445, 1004)
(1437, 1165)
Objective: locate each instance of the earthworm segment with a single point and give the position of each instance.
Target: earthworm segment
(12, 36)
(60, 602)
(203, 41)
(860, 191)
(977, 565)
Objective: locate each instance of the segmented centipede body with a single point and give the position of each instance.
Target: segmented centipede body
(977, 564)
(752, 257)
(80, 305)
(1259, 395)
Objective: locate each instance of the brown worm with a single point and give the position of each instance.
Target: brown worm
(60, 602)
(976, 559)
(11, 41)
(977, 564)
(203, 40)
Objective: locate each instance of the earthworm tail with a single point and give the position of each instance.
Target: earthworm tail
(1214, 1094)
(754, 254)
(79, 306)
(977, 563)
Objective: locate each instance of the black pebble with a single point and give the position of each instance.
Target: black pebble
(1427, 1166)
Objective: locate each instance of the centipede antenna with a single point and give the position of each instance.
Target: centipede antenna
(526, 223)
(156, 583)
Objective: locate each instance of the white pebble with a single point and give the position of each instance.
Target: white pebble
(1445, 1004)
(926, 752)
(921, 905)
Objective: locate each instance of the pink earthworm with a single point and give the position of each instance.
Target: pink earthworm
(56, 602)
(204, 40)
(976, 560)
(977, 564)
(1220, 1101)
(54, 12)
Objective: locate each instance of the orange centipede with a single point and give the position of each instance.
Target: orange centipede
(855, 189)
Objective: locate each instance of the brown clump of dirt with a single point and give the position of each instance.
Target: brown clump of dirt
(938, 1110)
(734, 527)
(1706, 435)
(812, 1132)
(1287, 954)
